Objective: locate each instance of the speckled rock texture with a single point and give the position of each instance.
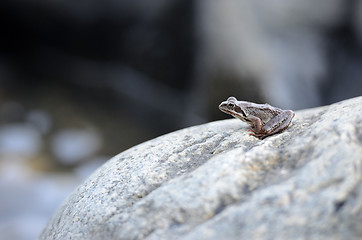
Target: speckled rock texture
(214, 181)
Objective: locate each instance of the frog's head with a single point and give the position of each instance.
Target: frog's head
(232, 107)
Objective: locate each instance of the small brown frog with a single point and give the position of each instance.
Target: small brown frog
(265, 120)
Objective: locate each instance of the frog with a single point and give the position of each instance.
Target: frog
(264, 119)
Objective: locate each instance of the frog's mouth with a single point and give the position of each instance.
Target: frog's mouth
(235, 115)
(241, 118)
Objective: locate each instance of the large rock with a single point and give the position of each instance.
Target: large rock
(214, 181)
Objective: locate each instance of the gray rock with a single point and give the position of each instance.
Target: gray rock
(214, 181)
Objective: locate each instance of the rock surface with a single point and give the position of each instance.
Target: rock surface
(214, 181)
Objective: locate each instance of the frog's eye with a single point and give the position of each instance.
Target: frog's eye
(231, 105)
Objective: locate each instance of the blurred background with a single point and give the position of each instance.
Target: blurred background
(81, 81)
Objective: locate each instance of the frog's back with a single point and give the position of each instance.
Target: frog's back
(264, 111)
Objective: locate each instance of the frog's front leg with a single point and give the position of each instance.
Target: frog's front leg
(277, 124)
(256, 125)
